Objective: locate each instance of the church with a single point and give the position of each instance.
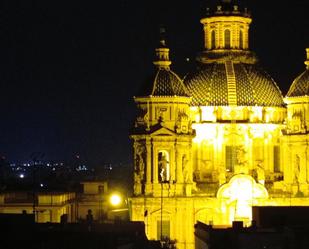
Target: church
(210, 146)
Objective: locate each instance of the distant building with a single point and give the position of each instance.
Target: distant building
(48, 207)
(223, 139)
(94, 197)
(56, 207)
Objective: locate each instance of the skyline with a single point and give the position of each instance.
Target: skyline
(70, 71)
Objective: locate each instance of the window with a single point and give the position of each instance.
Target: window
(100, 189)
(213, 39)
(165, 228)
(230, 157)
(241, 40)
(227, 38)
(276, 158)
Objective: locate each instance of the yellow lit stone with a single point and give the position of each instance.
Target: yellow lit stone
(196, 160)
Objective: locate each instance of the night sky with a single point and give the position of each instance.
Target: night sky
(69, 69)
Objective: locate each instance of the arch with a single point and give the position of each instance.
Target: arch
(205, 215)
(227, 38)
(164, 166)
(240, 194)
(241, 39)
(213, 39)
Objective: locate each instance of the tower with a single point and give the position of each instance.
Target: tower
(162, 134)
(295, 141)
(162, 140)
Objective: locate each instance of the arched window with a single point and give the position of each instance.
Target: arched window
(213, 39)
(241, 40)
(227, 38)
(164, 166)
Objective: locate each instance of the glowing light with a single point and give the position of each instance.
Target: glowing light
(241, 192)
(204, 131)
(208, 113)
(21, 176)
(115, 199)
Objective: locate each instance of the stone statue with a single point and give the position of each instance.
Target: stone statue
(260, 172)
(241, 160)
(182, 123)
(139, 162)
(163, 164)
(185, 170)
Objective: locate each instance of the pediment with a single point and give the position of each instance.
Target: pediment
(162, 131)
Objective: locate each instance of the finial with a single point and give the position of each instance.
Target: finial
(162, 36)
(307, 61)
(162, 52)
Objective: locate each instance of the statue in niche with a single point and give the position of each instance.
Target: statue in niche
(185, 170)
(241, 161)
(163, 164)
(296, 122)
(260, 172)
(139, 162)
(162, 112)
(296, 169)
(182, 123)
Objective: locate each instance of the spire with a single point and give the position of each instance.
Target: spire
(307, 61)
(162, 52)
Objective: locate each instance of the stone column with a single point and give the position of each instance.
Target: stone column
(155, 164)
(179, 178)
(173, 163)
(148, 162)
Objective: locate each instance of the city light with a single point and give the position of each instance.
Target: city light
(115, 199)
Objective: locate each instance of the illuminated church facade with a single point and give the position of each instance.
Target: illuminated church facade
(223, 139)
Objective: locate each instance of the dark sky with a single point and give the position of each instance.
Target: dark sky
(69, 69)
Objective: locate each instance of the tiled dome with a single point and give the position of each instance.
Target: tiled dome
(209, 85)
(300, 86)
(165, 83)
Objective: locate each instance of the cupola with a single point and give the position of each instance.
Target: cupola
(226, 27)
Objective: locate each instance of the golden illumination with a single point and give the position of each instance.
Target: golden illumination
(230, 145)
(242, 192)
(115, 199)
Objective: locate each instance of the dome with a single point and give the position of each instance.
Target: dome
(225, 83)
(165, 83)
(300, 86)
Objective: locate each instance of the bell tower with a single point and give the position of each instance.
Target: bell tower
(296, 136)
(162, 134)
